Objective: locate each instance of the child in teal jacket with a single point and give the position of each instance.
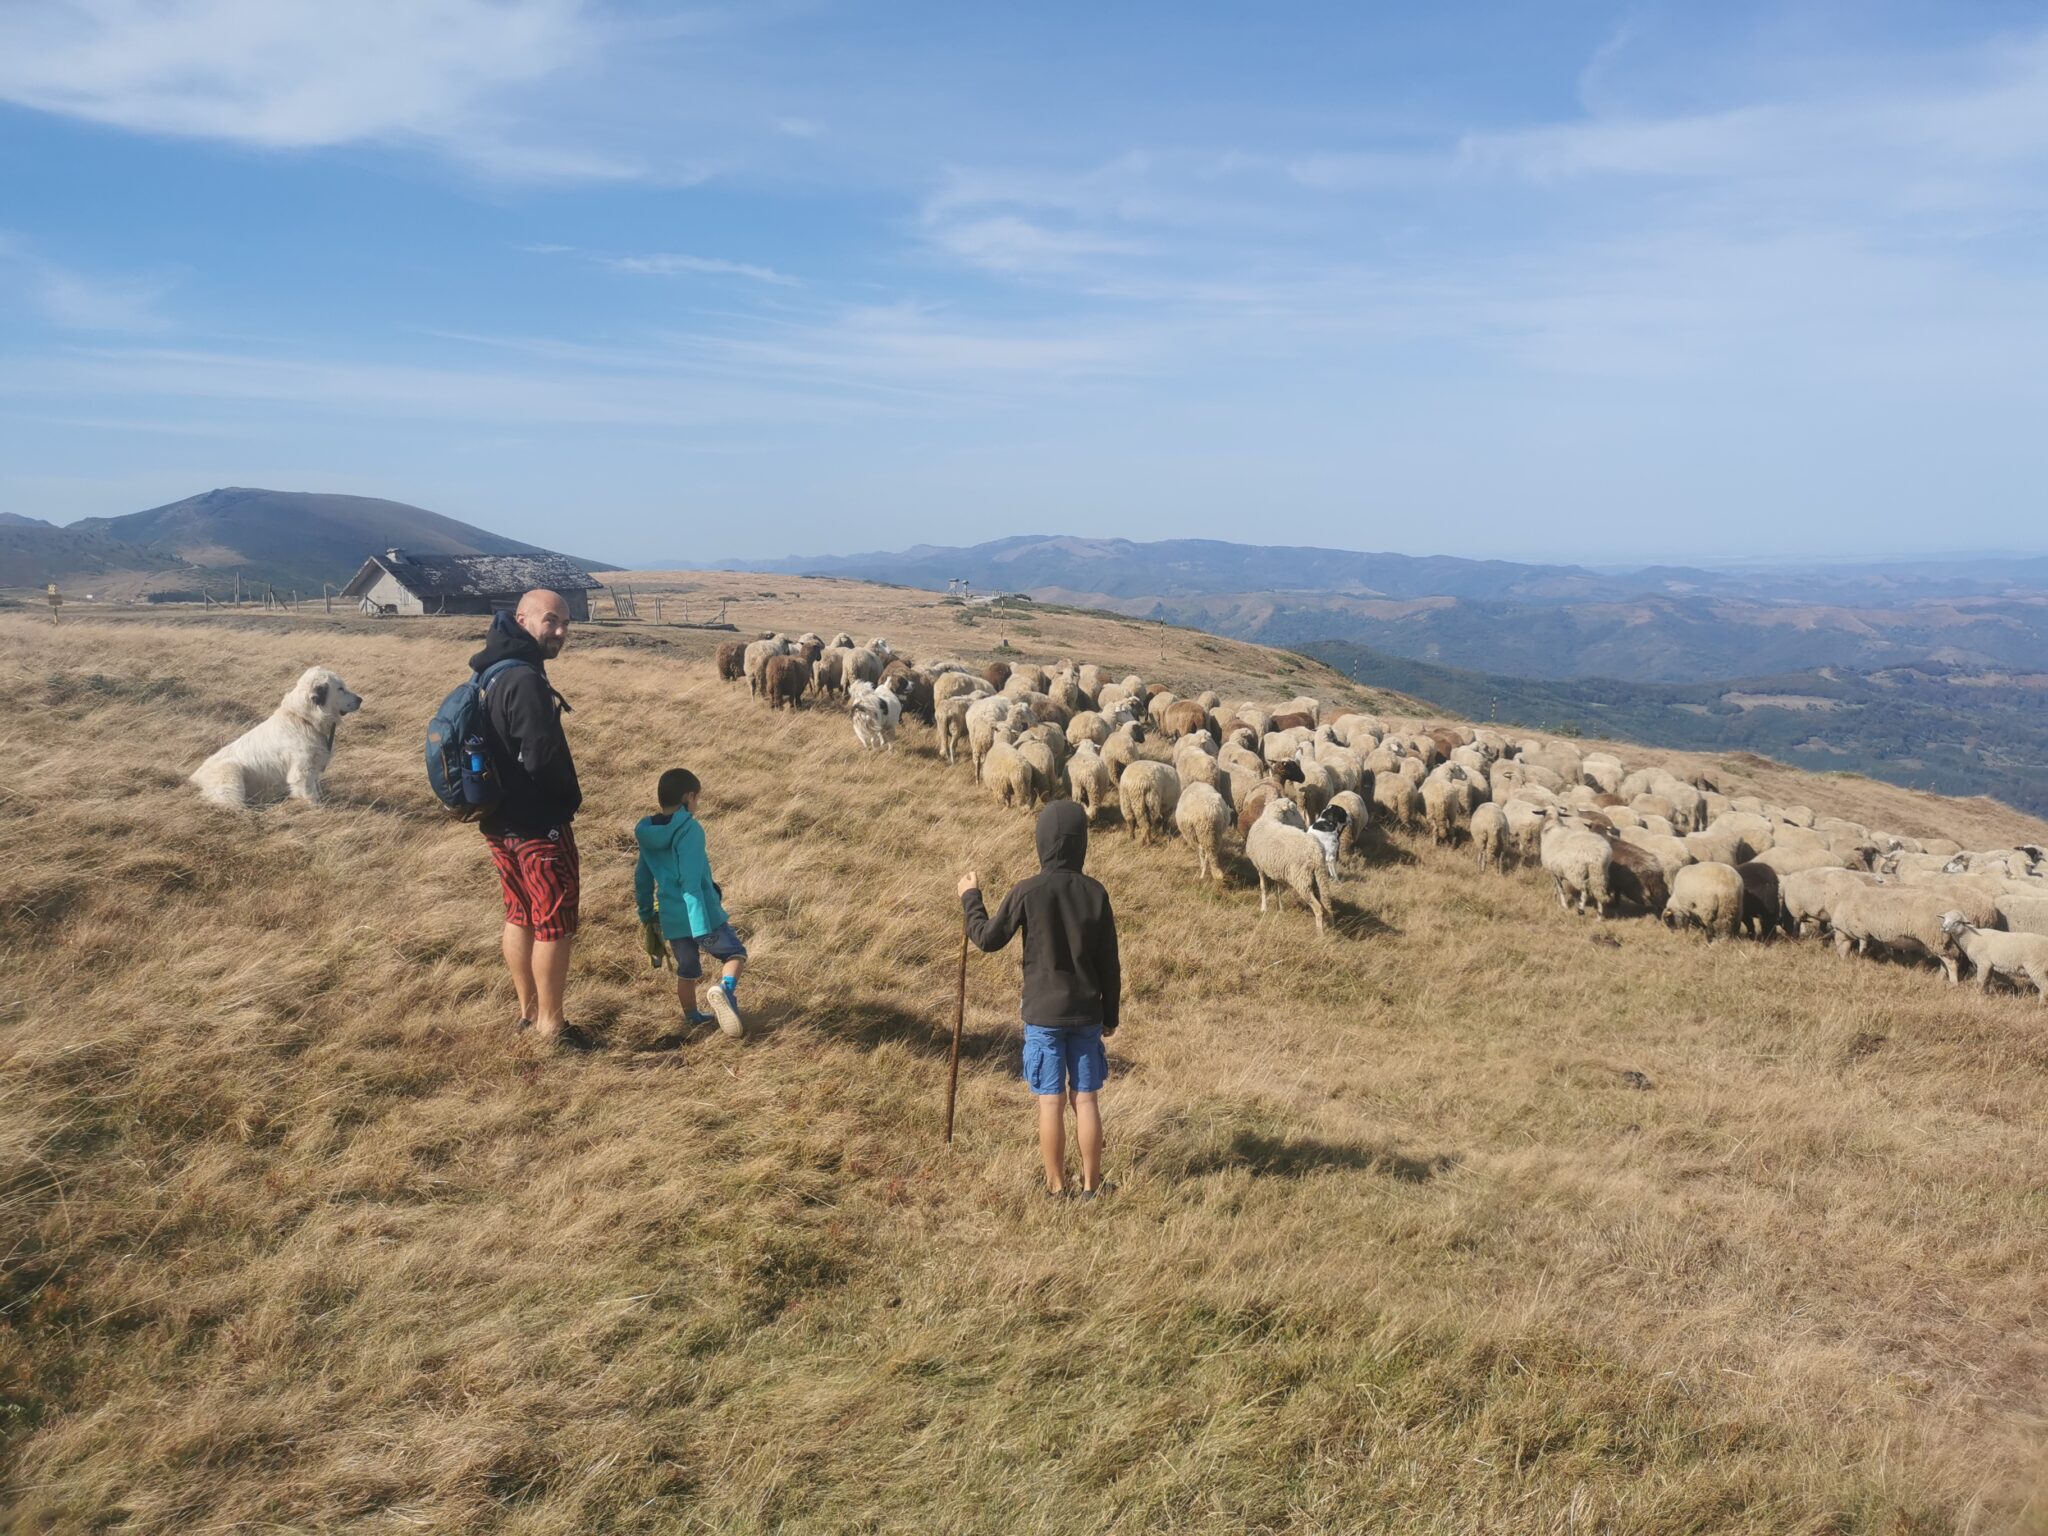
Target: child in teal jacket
(680, 910)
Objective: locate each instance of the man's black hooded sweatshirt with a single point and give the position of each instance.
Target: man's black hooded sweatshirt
(1072, 979)
(523, 724)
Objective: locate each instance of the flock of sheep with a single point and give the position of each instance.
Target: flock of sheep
(1300, 783)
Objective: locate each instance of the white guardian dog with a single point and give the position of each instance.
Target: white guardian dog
(876, 713)
(287, 753)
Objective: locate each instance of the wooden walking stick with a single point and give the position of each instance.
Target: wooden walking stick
(959, 1018)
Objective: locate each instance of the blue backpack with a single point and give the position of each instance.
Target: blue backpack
(458, 756)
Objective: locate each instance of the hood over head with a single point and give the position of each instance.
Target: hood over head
(506, 641)
(658, 834)
(1062, 836)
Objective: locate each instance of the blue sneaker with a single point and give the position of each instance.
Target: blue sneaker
(696, 1018)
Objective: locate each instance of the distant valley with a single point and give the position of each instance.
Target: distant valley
(1655, 624)
(1963, 731)
(1932, 673)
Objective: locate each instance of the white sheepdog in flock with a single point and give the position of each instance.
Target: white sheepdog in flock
(876, 713)
(287, 753)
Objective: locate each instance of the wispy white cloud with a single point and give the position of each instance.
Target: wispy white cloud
(298, 74)
(1008, 243)
(74, 300)
(673, 264)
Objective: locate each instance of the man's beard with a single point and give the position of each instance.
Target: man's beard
(552, 647)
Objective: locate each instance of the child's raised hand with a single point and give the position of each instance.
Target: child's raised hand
(969, 882)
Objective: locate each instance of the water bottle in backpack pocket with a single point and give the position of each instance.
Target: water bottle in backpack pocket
(459, 768)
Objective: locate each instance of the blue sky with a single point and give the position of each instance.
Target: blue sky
(1596, 282)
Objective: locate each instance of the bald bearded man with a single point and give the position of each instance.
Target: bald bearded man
(528, 831)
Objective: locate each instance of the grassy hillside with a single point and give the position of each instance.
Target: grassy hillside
(1960, 730)
(299, 1238)
(291, 539)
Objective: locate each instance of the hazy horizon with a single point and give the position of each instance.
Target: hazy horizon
(1609, 281)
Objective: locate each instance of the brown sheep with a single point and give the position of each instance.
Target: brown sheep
(1636, 876)
(913, 690)
(785, 681)
(1045, 707)
(998, 673)
(1184, 717)
(1285, 772)
(732, 661)
(1153, 690)
(829, 675)
(1294, 720)
(1763, 911)
(811, 649)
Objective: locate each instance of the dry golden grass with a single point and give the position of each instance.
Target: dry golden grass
(298, 1239)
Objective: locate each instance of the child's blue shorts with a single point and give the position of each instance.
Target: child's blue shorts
(721, 944)
(1058, 1059)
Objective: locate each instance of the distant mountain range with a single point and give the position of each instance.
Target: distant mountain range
(1959, 730)
(289, 539)
(1653, 624)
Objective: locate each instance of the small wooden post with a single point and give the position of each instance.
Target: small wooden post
(56, 601)
(959, 1020)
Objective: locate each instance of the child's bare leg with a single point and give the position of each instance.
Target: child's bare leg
(1052, 1140)
(735, 966)
(686, 994)
(1088, 1132)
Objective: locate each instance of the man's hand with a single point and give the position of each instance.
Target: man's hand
(969, 882)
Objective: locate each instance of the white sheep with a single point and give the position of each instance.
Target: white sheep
(755, 661)
(1578, 863)
(1808, 895)
(1043, 752)
(1902, 919)
(1147, 794)
(1090, 782)
(991, 719)
(1011, 774)
(1448, 795)
(1489, 829)
(1202, 817)
(952, 718)
(1709, 895)
(1121, 750)
(2000, 954)
(1288, 856)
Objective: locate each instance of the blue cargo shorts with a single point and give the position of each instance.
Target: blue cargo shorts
(721, 944)
(1058, 1059)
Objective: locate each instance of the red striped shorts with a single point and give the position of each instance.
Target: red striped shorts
(542, 880)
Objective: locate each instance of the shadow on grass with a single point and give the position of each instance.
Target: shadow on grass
(867, 1025)
(1294, 1157)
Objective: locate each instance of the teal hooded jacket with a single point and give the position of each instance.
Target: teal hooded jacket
(675, 869)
